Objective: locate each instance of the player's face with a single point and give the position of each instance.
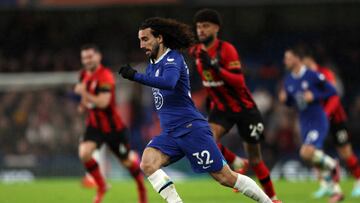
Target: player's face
(90, 59)
(149, 43)
(206, 31)
(290, 60)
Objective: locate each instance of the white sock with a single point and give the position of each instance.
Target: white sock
(250, 189)
(337, 188)
(163, 185)
(323, 160)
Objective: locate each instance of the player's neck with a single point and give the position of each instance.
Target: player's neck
(162, 50)
(210, 44)
(91, 71)
(298, 69)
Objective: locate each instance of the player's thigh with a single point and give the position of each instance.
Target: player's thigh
(92, 139)
(201, 150)
(339, 133)
(254, 152)
(118, 144)
(162, 150)
(250, 125)
(220, 123)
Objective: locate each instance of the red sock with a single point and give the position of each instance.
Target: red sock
(228, 155)
(93, 168)
(353, 164)
(263, 174)
(135, 172)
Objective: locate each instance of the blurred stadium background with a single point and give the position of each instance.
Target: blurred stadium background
(39, 64)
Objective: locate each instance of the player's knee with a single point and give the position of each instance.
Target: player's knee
(85, 155)
(307, 152)
(147, 167)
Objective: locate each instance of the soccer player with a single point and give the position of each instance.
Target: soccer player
(338, 129)
(218, 64)
(305, 90)
(104, 124)
(185, 132)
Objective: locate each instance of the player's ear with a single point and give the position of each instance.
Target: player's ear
(217, 28)
(160, 39)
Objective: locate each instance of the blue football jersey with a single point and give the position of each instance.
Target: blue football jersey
(169, 79)
(313, 120)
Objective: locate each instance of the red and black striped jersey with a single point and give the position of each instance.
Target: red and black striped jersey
(335, 109)
(227, 88)
(102, 80)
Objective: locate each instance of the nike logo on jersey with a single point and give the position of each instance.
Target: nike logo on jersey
(170, 59)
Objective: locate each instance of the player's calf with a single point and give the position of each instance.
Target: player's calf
(242, 183)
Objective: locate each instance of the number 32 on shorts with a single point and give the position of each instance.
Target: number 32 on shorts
(203, 158)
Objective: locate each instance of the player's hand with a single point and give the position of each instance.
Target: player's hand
(127, 72)
(79, 88)
(308, 96)
(206, 61)
(282, 96)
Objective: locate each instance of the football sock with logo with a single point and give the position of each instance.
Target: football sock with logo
(323, 160)
(164, 186)
(250, 189)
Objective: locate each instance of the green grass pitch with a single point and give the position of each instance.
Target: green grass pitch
(192, 191)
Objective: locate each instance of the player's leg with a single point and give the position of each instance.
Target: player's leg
(318, 158)
(88, 145)
(259, 167)
(118, 144)
(162, 150)
(251, 128)
(204, 156)
(346, 153)
(242, 183)
(219, 125)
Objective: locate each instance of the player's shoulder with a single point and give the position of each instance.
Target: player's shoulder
(314, 75)
(106, 73)
(227, 45)
(174, 57)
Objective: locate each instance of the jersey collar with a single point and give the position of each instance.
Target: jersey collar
(301, 72)
(161, 57)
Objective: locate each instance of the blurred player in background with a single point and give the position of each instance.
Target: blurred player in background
(338, 129)
(305, 89)
(104, 124)
(185, 132)
(219, 65)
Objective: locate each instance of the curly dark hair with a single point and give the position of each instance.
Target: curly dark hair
(176, 35)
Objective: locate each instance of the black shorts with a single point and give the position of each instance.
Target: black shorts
(116, 140)
(249, 123)
(339, 133)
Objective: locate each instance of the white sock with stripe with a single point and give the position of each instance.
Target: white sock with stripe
(323, 160)
(164, 186)
(249, 188)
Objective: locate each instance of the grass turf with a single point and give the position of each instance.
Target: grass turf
(192, 191)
